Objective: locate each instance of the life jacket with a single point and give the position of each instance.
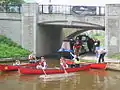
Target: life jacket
(77, 61)
(42, 64)
(63, 63)
(77, 46)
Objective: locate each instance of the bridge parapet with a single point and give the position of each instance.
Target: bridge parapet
(68, 9)
(61, 13)
(99, 20)
(10, 8)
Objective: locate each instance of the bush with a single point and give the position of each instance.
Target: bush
(9, 49)
(99, 37)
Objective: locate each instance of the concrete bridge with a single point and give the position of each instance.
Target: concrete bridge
(38, 28)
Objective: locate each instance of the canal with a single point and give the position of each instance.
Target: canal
(84, 80)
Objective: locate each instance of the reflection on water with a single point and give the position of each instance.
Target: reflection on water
(85, 80)
(55, 77)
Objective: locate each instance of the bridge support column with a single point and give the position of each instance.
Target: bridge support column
(112, 28)
(29, 26)
(49, 39)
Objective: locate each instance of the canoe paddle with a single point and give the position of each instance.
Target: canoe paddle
(44, 72)
(65, 70)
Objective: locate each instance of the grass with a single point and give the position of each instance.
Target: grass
(115, 56)
(10, 49)
(88, 61)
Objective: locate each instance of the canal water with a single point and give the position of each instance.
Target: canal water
(83, 80)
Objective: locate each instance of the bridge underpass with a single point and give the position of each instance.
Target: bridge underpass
(49, 35)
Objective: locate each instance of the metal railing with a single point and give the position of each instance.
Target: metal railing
(10, 8)
(58, 9)
(67, 9)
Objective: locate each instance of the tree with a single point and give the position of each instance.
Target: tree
(10, 2)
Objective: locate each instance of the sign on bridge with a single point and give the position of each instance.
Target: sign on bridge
(84, 10)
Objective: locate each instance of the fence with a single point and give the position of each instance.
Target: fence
(67, 9)
(10, 8)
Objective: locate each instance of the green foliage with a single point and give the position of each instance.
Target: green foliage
(11, 1)
(7, 41)
(99, 36)
(10, 49)
(88, 61)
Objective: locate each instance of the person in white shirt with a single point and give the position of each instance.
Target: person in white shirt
(17, 63)
(42, 64)
(32, 58)
(63, 64)
(102, 53)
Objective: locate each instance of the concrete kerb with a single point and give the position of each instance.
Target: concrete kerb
(109, 60)
(112, 64)
(12, 59)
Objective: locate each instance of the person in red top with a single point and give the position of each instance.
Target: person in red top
(63, 64)
(42, 64)
(77, 47)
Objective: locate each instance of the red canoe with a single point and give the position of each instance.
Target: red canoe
(92, 65)
(15, 68)
(98, 65)
(8, 68)
(23, 70)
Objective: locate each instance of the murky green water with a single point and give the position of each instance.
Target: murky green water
(85, 80)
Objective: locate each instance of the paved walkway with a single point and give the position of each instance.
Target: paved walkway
(112, 64)
(93, 57)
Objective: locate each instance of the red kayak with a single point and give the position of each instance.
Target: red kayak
(23, 70)
(15, 68)
(92, 65)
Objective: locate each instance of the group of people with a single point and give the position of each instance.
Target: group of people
(93, 46)
(100, 53)
(83, 43)
(41, 63)
(63, 65)
(32, 59)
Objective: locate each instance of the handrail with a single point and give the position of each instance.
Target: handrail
(10, 8)
(58, 9)
(68, 9)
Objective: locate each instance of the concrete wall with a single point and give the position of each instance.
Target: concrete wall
(100, 20)
(10, 16)
(10, 26)
(112, 28)
(48, 39)
(29, 26)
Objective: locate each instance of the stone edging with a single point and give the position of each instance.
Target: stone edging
(12, 59)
